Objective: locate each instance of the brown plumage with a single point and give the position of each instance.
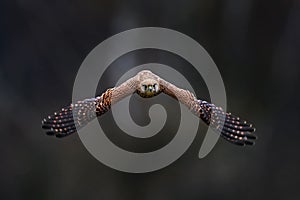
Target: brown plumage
(64, 122)
(147, 85)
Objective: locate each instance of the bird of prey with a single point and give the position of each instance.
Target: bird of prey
(147, 84)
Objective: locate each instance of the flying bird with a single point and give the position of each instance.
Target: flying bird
(147, 84)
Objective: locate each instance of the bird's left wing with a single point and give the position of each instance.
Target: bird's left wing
(79, 114)
(231, 128)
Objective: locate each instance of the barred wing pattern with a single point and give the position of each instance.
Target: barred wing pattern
(231, 128)
(65, 121)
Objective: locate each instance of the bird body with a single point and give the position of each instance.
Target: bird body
(147, 84)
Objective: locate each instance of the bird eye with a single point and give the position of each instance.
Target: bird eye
(144, 87)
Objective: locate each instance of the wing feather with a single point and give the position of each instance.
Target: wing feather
(231, 128)
(77, 115)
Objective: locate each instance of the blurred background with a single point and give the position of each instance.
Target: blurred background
(255, 45)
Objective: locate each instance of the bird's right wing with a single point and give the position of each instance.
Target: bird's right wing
(79, 114)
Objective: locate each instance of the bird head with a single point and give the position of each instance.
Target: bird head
(148, 88)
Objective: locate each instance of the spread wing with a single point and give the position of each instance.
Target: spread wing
(79, 114)
(231, 128)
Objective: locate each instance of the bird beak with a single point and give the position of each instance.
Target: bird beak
(150, 88)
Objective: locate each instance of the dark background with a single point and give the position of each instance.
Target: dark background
(256, 46)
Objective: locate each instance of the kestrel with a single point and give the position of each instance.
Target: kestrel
(147, 84)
